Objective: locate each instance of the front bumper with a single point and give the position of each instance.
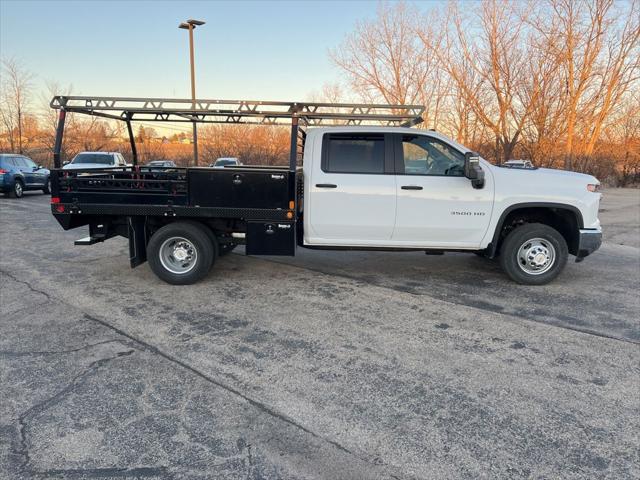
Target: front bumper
(589, 241)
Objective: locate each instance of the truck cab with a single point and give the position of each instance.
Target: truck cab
(401, 188)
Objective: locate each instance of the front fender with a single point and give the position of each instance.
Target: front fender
(497, 230)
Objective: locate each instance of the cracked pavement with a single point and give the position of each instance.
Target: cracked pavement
(327, 365)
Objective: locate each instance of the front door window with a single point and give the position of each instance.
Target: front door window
(428, 156)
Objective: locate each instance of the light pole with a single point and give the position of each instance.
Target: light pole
(191, 25)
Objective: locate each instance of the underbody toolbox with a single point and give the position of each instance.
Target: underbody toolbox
(271, 238)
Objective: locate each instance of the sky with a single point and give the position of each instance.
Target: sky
(258, 50)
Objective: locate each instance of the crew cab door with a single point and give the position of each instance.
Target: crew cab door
(351, 198)
(436, 204)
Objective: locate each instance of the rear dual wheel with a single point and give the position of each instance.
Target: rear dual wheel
(182, 253)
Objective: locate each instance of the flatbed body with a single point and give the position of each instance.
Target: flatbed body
(120, 200)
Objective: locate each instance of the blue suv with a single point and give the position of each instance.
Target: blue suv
(19, 173)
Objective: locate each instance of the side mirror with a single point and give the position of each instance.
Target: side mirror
(36, 168)
(66, 162)
(40, 167)
(472, 169)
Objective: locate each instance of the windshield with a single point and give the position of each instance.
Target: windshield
(226, 161)
(101, 158)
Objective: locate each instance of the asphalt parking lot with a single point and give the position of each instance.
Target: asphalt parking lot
(329, 365)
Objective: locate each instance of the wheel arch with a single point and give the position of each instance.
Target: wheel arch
(565, 218)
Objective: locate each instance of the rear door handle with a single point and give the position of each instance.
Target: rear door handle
(325, 185)
(411, 187)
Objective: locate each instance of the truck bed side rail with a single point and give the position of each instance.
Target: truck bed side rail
(140, 179)
(101, 185)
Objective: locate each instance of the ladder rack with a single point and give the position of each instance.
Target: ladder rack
(240, 111)
(295, 114)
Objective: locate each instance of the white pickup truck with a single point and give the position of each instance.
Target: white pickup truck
(359, 187)
(394, 188)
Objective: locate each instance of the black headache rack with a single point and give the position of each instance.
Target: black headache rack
(252, 196)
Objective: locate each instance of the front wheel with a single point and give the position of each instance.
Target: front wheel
(534, 254)
(47, 187)
(181, 253)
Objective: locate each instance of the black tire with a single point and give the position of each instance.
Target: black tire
(47, 187)
(18, 189)
(194, 238)
(545, 246)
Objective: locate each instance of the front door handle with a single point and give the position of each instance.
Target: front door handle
(326, 185)
(411, 187)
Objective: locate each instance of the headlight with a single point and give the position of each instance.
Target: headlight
(593, 187)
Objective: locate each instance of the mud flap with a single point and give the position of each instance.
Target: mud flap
(137, 240)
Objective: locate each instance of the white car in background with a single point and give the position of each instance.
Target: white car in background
(519, 164)
(89, 160)
(226, 162)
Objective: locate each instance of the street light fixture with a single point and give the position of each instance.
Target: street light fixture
(191, 25)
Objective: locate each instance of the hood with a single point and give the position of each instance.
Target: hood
(584, 177)
(85, 166)
(550, 174)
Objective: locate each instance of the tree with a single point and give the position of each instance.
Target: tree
(49, 117)
(543, 78)
(14, 100)
(619, 74)
(383, 59)
(497, 79)
(598, 61)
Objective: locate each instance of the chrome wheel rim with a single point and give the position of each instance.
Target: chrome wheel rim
(178, 255)
(18, 189)
(536, 256)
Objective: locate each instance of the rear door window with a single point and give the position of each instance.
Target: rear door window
(354, 153)
(29, 163)
(19, 162)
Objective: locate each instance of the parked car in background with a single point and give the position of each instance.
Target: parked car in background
(88, 160)
(519, 164)
(19, 174)
(160, 165)
(226, 162)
